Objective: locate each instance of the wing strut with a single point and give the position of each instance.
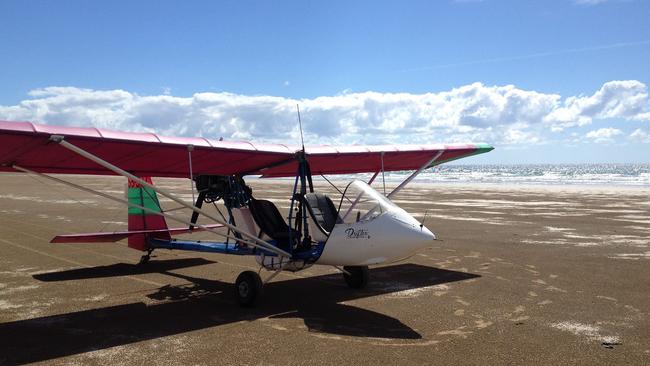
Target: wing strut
(383, 175)
(372, 179)
(415, 174)
(260, 243)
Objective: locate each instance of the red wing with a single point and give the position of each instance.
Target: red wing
(143, 154)
(147, 154)
(368, 159)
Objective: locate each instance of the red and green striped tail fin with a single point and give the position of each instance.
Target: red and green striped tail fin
(140, 219)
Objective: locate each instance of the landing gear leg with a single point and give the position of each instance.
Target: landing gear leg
(145, 258)
(356, 276)
(248, 288)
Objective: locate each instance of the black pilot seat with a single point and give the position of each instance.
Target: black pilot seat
(271, 222)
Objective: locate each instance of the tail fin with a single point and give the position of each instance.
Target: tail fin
(144, 220)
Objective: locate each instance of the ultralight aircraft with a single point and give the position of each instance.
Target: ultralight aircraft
(364, 227)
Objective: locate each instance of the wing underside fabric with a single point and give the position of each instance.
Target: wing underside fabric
(28, 145)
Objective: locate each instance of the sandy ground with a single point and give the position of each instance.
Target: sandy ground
(520, 276)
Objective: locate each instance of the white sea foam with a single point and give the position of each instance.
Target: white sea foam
(632, 256)
(6, 305)
(627, 175)
(591, 332)
(42, 200)
(402, 290)
(558, 229)
(495, 221)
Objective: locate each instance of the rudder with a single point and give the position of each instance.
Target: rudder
(140, 219)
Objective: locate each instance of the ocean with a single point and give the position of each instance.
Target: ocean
(619, 175)
(544, 174)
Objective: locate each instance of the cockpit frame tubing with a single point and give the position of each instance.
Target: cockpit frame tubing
(304, 177)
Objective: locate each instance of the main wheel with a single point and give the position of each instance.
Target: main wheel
(144, 260)
(357, 277)
(248, 288)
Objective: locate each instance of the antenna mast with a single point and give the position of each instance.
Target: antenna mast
(302, 139)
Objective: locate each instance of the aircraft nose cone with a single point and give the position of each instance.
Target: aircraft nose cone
(427, 235)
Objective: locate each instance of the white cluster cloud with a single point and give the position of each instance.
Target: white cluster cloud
(603, 135)
(640, 135)
(616, 99)
(504, 115)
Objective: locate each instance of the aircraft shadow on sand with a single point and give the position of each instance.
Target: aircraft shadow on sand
(204, 303)
(121, 269)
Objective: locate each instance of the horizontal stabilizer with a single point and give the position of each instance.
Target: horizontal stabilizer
(119, 235)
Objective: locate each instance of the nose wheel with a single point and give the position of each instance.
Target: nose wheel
(356, 276)
(248, 288)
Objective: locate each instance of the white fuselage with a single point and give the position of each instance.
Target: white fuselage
(389, 237)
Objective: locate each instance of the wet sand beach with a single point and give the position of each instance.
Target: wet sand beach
(519, 275)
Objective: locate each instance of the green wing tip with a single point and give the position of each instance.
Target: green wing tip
(483, 148)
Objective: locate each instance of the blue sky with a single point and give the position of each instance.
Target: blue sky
(362, 70)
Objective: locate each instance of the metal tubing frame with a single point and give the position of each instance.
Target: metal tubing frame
(290, 218)
(372, 179)
(190, 148)
(332, 184)
(343, 270)
(357, 199)
(277, 272)
(415, 174)
(383, 175)
(60, 140)
(116, 199)
(401, 185)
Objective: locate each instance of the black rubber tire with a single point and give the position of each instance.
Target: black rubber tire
(358, 277)
(248, 288)
(144, 260)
